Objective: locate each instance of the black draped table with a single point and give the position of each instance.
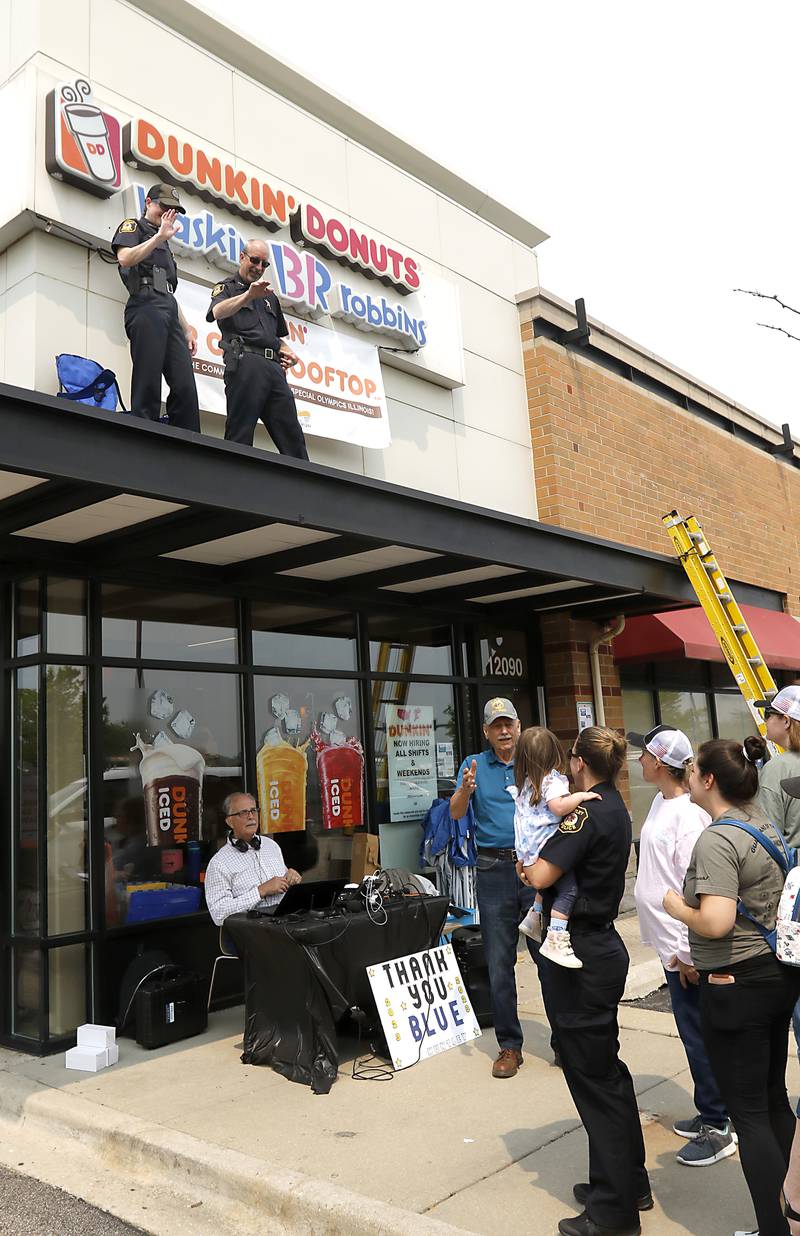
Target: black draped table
(304, 973)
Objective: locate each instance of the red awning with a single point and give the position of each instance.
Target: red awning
(688, 633)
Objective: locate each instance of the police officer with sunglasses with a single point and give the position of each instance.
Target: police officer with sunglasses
(256, 355)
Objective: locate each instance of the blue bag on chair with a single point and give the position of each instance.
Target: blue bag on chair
(84, 381)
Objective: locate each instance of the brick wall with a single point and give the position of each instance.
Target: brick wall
(568, 677)
(610, 458)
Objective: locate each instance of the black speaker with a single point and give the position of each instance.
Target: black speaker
(470, 954)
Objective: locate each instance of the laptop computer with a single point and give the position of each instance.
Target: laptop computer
(316, 895)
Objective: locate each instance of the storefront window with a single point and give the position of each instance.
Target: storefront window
(67, 975)
(733, 717)
(26, 881)
(27, 991)
(288, 634)
(168, 626)
(172, 750)
(67, 800)
(403, 644)
(310, 770)
(637, 710)
(27, 615)
(687, 711)
(66, 616)
(416, 761)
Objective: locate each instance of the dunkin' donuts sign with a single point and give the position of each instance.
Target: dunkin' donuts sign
(86, 147)
(83, 146)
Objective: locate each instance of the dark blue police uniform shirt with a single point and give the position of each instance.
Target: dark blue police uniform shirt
(261, 323)
(492, 804)
(132, 232)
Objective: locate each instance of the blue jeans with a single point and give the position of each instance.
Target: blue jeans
(686, 1010)
(503, 901)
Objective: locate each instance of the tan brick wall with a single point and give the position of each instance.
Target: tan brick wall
(610, 458)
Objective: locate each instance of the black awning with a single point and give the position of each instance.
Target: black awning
(112, 495)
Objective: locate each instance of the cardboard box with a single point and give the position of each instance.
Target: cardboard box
(87, 1059)
(364, 859)
(90, 1035)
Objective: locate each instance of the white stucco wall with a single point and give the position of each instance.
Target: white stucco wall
(464, 436)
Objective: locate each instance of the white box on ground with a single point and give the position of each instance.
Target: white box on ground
(113, 1053)
(90, 1035)
(87, 1059)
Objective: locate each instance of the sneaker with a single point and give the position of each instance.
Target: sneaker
(708, 1147)
(531, 926)
(558, 948)
(753, 1233)
(691, 1129)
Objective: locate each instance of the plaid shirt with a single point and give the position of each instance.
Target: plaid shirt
(232, 878)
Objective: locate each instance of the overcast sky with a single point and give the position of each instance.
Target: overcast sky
(657, 145)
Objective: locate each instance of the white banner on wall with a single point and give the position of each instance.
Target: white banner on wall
(338, 385)
(411, 752)
(423, 1005)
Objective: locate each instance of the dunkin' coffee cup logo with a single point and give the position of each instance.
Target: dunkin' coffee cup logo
(83, 142)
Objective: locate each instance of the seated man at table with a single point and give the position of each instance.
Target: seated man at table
(248, 870)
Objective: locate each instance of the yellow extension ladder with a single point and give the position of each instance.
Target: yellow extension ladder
(719, 606)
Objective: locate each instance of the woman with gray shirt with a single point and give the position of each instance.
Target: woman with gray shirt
(782, 723)
(746, 995)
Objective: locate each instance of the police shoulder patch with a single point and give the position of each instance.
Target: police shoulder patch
(128, 225)
(217, 288)
(574, 822)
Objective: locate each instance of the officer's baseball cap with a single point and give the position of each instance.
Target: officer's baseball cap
(167, 195)
(499, 707)
(787, 702)
(668, 745)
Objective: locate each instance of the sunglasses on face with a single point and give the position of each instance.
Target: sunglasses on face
(772, 712)
(256, 261)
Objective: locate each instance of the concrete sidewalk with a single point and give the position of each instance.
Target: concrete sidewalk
(188, 1141)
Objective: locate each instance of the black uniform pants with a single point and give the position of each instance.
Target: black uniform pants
(258, 390)
(158, 346)
(746, 1031)
(582, 1009)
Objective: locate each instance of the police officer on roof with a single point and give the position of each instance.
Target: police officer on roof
(162, 342)
(594, 843)
(256, 355)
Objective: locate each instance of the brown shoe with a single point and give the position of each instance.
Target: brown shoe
(507, 1062)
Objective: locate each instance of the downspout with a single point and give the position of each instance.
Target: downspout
(610, 632)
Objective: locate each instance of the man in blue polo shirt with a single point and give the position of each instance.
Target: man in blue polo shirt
(503, 900)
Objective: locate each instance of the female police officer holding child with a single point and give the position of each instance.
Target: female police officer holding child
(594, 843)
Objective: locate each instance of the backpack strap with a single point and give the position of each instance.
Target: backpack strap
(781, 856)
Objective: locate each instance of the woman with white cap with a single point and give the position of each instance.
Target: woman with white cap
(782, 721)
(667, 840)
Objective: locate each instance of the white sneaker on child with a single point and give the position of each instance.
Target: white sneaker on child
(531, 926)
(558, 948)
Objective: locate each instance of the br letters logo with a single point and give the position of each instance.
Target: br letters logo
(84, 146)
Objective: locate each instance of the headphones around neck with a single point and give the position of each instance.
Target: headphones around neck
(243, 846)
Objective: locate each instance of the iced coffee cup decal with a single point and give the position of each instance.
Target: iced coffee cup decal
(340, 769)
(282, 775)
(172, 782)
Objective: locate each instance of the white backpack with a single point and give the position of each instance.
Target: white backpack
(784, 939)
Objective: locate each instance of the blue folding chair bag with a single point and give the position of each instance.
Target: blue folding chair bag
(84, 381)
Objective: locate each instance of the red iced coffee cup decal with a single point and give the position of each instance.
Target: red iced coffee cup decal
(340, 771)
